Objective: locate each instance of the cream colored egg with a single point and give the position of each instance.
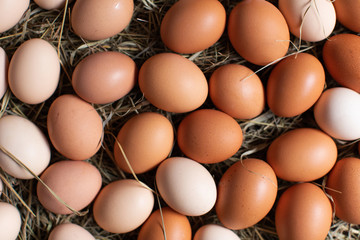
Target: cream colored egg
(11, 12)
(10, 221)
(51, 4)
(70, 231)
(215, 232)
(4, 64)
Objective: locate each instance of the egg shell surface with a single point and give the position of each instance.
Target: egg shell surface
(10, 221)
(347, 13)
(215, 232)
(4, 66)
(11, 13)
(51, 4)
(69, 231)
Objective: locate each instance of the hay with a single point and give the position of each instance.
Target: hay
(140, 40)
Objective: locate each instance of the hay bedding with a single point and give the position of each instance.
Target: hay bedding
(140, 40)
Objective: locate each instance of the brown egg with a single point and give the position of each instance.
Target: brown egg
(237, 91)
(342, 185)
(347, 13)
(246, 193)
(207, 19)
(176, 225)
(209, 136)
(11, 13)
(303, 212)
(258, 31)
(146, 139)
(173, 83)
(302, 155)
(74, 127)
(295, 84)
(75, 182)
(341, 54)
(97, 20)
(104, 77)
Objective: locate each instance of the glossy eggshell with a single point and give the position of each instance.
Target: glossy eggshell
(237, 90)
(341, 54)
(69, 231)
(186, 186)
(173, 83)
(347, 13)
(176, 225)
(146, 139)
(11, 12)
(342, 185)
(207, 19)
(97, 20)
(302, 155)
(104, 77)
(75, 182)
(303, 212)
(123, 206)
(51, 4)
(75, 128)
(4, 66)
(215, 232)
(246, 193)
(10, 221)
(34, 71)
(209, 136)
(258, 31)
(295, 84)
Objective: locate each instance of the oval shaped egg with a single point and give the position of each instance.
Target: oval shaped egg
(258, 31)
(214, 232)
(176, 226)
(69, 231)
(303, 212)
(104, 77)
(11, 12)
(309, 20)
(75, 128)
(4, 66)
(146, 139)
(295, 84)
(342, 187)
(94, 20)
(34, 71)
(123, 206)
(24, 140)
(237, 91)
(246, 193)
(186, 186)
(75, 182)
(337, 113)
(341, 54)
(206, 18)
(51, 4)
(347, 14)
(302, 155)
(10, 221)
(209, 136)
(173, 83)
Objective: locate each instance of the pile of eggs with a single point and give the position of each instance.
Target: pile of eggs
(260, 33)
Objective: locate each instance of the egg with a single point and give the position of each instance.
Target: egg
(207, 19)
(10, 221)
(258, 31)
(347, 14)
(69, 231)
(104, 77)
(342, 186)
(11, 12)
(209, 136)
(246, 193)
(295, 84)
(34, 71)
(337, 113)
(173, 83)
(342, 59)
(123, 206)
(4, 65)
(167, 222)
(24, 140)
(303, 212)
(146, 139)
(51, 4)
(302, 155)
(186, 186)
(75, 182)
(214, 232)
(94, 20)
(75, 128)
(309, 20)
(237, 91)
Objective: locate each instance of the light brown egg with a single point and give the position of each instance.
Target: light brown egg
(75, 182)
(4, 66)
(146, 140)
(51, 4)
(303, 212)
(69, 231)
(258, 31)
(246, 193)
(347, 13)
(104, 77)
(237, 90)
(74, 127)
(11, 12)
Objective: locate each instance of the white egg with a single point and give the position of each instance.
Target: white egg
(11, 12)
(10, 221)
(4, 65)
(215, 232)
(70, 231)
(51, 4)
